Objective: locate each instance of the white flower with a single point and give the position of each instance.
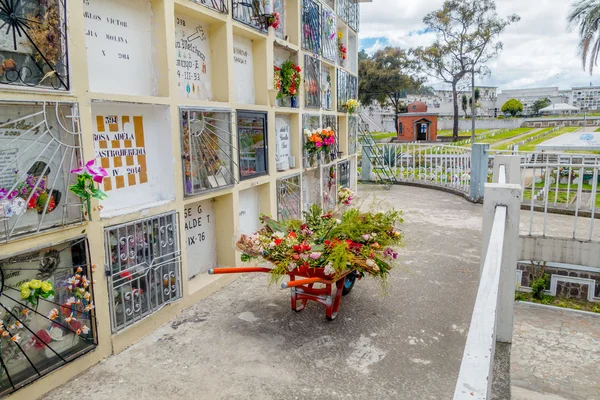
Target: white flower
(279, 235)
(370, 263)
(292, 266)
(320, 130)
(85, 330)
(338, 221)
(307, 132)
(329, 270)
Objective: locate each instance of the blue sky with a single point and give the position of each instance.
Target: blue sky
(539, 51)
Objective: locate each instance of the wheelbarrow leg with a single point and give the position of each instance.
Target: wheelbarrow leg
(334, 306)
(294, 297)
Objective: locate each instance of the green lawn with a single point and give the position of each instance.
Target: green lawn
(531, 145)
(597, 130)
(559, 302)
(507, 145)
(448, 132)
(506, 135)
(383, 135)
(561, 197)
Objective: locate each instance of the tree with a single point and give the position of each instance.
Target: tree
(539, 104)
(586, 14)
(362, 55)
(465, 104)
(466, 39)
(512, 107)
(386, 78)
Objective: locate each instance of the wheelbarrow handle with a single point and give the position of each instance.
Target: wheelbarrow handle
(291, 284)
(241, 270)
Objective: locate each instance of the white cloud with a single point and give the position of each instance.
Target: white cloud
(539, 50)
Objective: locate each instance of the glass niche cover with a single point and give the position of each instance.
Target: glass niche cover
(47, 315)
(33, 44)
(207, 150)
(252, 144)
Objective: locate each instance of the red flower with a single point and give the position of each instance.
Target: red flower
(297, 68)
(298, 248)
(126, 275)
(41, 339)
(292, 235)
(32, 203)
(75, 325)
(305, 247)
(278, 241)
(295, 257)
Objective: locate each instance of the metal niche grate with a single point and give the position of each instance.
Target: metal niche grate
(329, 35)
(289, 198)
(144, 268)
(218, 5)
(311, 188)
(344, 174)
(40, 143)
(353, 14)
(342, 93)
(312, 82)
(329, 187)
(208, 150)
(311, 26)
(44, 334)
(310, 122)
(352, 134)
(33, 44)
(342, 9)
(279, 7)
(251, 13)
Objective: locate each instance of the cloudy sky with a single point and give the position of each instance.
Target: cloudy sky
(539, 50)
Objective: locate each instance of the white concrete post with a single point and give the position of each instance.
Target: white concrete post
(508, 195)
(512, 164)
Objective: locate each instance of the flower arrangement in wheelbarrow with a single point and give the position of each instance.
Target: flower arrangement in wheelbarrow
(360, 242)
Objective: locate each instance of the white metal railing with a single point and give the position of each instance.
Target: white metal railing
(492, 318)
(475, 376)
(439, 165)
(566, 184)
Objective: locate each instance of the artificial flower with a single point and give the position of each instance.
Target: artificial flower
(95, 171)
(46, 287)
(25, 293)
(35, 284)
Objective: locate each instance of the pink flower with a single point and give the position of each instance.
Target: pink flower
(96, 171)
(315, 255)
(319, 144)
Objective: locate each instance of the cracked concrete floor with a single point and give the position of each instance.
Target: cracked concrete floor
(555, 355)
(244, 342)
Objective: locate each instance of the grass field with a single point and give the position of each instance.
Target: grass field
(448, 132)
(597, 130)
(507, 145)
(383, 135)
(561, 197)
(531, 145)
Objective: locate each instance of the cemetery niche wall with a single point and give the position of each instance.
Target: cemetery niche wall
(243, 68)
(41, 334)
(33, 44)
(201, 240)
(132, 142)
(193, 58)
(121, 47)
(39, 146)
(207, 151)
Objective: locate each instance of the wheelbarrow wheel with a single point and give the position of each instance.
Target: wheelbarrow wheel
(349, 283)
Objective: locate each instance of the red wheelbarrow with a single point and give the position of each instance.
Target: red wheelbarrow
(303, 289)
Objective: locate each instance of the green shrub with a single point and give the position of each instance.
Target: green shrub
(539, 285)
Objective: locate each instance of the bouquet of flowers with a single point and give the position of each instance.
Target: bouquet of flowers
(319, 140)
(274, 20)
(30, 194)
(88, 175)
(290, 77)
(342, 47)
(345, 196)
(352, 105)
(361, 242)
(277, 79)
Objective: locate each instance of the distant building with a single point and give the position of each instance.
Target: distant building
(529, 96)
(417, 124)
(586, 98)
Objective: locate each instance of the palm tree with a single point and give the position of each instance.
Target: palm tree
(586, 14)
(464, 104)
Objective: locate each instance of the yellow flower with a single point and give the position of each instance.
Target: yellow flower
(25, 285)
(25, 293)
(35, 284)
(340, 35)
(46, 287)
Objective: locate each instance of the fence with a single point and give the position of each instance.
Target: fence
(446, 166)
(493, 313)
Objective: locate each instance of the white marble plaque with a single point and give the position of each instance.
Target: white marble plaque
(192, 48)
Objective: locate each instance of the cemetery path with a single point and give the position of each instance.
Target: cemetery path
(244, 342)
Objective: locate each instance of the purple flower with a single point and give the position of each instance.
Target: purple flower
(315, 255)
(24, 191)
(13, 194)
(96, 171)
(366, 236)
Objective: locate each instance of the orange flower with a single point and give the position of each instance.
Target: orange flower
(79, 269)
(315, 138)
(78, 331)
(5, 334)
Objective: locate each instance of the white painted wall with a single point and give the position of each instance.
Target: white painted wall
(243, 69)
(158, 163)
(192, 47)
(200, 238)
(119, 39)
(558, 250)
(249, 210)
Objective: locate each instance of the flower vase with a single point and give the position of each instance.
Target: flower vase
(312, 160)
(319, 158)
(294, 101)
